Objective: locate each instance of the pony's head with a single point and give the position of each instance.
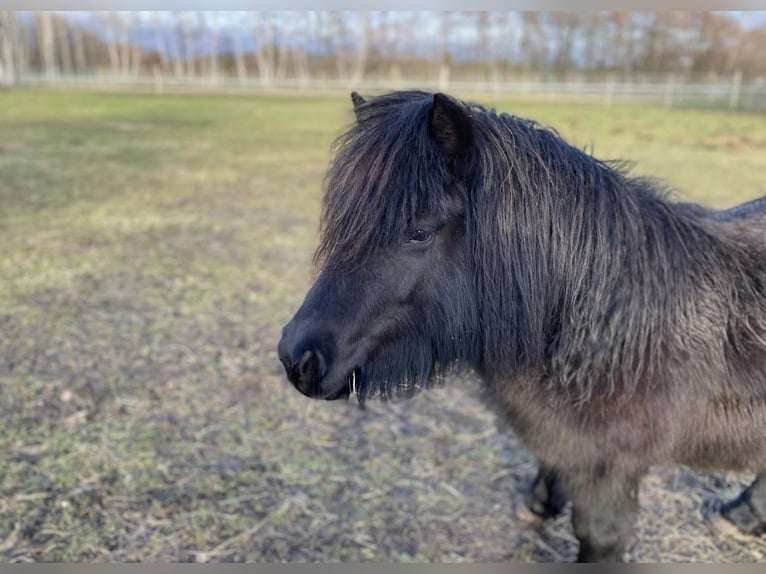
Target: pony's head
(394, 302)
(452, 235)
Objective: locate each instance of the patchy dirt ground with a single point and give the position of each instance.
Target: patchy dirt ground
(146, 270)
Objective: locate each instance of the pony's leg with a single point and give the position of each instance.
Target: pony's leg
(748, 511)
(545, 498)
(605, 507)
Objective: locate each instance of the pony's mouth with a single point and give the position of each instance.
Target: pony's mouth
(358, 384)
(350, 389)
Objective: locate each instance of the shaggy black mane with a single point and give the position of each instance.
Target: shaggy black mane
(582, 270)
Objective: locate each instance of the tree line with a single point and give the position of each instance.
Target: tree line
(351, 46)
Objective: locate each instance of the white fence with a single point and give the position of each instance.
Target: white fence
(731, 94)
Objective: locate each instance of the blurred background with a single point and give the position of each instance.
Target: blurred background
(705, 57)
(160, 183)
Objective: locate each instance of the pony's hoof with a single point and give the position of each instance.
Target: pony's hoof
(725, 528)
(524, 514)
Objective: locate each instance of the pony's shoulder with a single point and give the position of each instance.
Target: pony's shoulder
(755, 209)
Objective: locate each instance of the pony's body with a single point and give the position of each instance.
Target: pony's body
(615, 329)
(705, 405)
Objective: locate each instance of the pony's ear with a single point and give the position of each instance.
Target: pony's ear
(357, 101)
(450, 126)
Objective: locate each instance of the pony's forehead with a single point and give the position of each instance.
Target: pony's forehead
(387, 173)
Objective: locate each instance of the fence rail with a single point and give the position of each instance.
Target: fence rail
(731, 94)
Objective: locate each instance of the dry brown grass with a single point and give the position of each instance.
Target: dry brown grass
(150, 250)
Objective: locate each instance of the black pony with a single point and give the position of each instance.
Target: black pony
(614, 328)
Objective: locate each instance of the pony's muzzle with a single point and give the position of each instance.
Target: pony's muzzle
(305, 362)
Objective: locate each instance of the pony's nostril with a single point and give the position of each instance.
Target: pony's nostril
(307, 362)
(311, 366)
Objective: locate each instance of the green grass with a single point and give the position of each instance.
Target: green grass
(150, 250)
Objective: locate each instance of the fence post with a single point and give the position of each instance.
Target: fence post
(443, 77)
(609, 90)
(159, 87)
(736, 87)
(670, 86)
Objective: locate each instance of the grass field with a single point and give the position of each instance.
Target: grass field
(151, 249)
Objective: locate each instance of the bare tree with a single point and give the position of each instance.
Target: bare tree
(299, 49)
(338, 34)
(733, 63)
(159, 43)
(486, 46)
(7, 53)
(186, 29)
(362, 47)
(564, 27)
(444, 26)
(533, 42)
(132, 23)
(282, 44)
(265, 50)
(174, 46)
(124, 44)
(61, 26)
(591, 33)
(80, 59)
(46, 39)
(19, 38)
(387, 34)
(750, 58)
(212, 21)
(239, 51)
(397, 34)
(110, 22)
(619, 21)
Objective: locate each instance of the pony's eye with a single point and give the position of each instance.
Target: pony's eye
(421, 236)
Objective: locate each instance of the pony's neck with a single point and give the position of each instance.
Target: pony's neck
(590, 275)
